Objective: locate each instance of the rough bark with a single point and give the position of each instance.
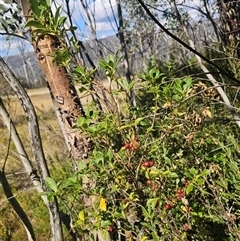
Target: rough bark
(65, 98)
(62, 92)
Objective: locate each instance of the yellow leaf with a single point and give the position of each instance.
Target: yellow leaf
(102, 204)
(154, 172)
(81, 215)
(183, 208)
(144, 238)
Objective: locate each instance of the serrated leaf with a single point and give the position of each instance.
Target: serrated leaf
(50, 183)
(102, 204)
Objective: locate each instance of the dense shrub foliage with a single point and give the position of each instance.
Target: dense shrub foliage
(167, 169)
(165, 159)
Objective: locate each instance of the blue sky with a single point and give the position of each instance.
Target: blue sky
(103, 11)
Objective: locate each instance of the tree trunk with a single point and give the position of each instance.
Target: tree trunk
(62, 92)
(124, 50)
(65, 98)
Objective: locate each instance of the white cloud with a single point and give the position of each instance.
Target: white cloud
(101, 13)
(104, 15)
(103, 9)
(12, 46)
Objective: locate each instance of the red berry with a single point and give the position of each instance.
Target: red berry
(136, 138)
(155, 186)
(110, 228)
(180, 194)
(186, 183)
(144, 164)
(185, 227)
(148, 182)
(168, 206)
(132, 148)
(150, 163)
(178, 197)
(179, 191)
(127, 145)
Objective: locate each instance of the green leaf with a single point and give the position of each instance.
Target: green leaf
(193, 171)
(50, 197)
(152, 202)
(99, 158)
(81, 165)
(40, 30)
(204, 173)
(3, 7)
(50, 183)
(145, 212)
(44, 3)
(155, 236)
(110, 60)
(189, 188)
(200, 181)
(137, 121)
(102, 64)
(34, 23)
(56, 16)
(71, 181)
(61, 21)
(4, 23)
(34, 8)
(188, 83)
(173, 175)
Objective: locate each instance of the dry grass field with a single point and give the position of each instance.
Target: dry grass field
(40, 98)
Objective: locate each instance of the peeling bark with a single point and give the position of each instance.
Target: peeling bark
(64, 94)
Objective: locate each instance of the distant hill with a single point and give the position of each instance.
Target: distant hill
(27, 68)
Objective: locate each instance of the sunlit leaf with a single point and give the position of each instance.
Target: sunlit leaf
(50, 183)
(102, 204)
(81, 215)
